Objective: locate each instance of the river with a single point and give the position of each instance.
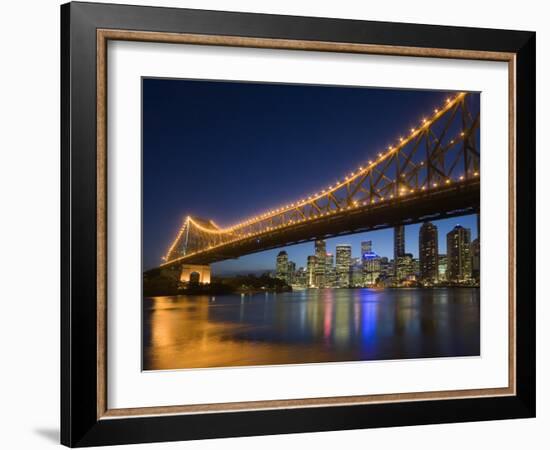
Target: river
(309, 326)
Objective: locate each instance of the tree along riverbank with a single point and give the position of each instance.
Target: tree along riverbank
(155, 284)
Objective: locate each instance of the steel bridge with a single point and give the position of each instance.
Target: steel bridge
(429, 173)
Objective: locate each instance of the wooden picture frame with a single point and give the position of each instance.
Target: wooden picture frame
(86, 418)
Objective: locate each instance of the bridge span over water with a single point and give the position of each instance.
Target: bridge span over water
(431, 172)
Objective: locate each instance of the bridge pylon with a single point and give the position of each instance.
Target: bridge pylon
(188, 273)
(198, 273)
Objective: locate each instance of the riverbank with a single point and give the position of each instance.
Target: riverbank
(155, 284)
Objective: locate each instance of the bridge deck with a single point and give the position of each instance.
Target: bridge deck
(449, 201)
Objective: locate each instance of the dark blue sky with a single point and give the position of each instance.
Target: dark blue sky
(229, 150)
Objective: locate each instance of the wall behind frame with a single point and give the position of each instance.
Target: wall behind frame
(29, 183)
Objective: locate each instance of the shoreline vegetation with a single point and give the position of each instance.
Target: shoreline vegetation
(155, 284)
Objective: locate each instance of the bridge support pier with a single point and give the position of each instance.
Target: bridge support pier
(195, 273)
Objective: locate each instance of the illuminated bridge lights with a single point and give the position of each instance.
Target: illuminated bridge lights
(292, 222)
(307, 209)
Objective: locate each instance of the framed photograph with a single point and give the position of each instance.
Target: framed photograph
(276, 224)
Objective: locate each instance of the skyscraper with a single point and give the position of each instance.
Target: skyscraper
(372, 268)
(370, 262)
(385, 267)
(416, 268)
(291, 272)
(330, 272)
(404, 267)
(300, 277)
(343, 265)
(310, 270)
(320, 265)
(398, 244)
(459, 261)
(442, 268)
(428, 252)
(357, 278)
(281, 270)
(329, 261)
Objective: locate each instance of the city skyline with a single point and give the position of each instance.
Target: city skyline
(459, 265)
(382, 245)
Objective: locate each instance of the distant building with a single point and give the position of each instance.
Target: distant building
(320, 267)
(371, 267)
(310, 270)
(300, 277)
(442, 268)
(343, 265)
(459, 260)
(416, 268)
(398, 243)
(475, 251)
(330, 271)
(366, 247)
(404, 269)
(281, 270)
(392, 266)
(291, 272)
(428, 252)
(386, 267)
(356, 275)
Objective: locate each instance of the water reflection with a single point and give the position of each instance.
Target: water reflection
(309, 326)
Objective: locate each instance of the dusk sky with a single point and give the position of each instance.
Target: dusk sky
(229, 150)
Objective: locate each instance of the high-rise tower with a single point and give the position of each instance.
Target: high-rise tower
(428, 252)
(281, 270)
(459, 260)
(343, 265)
(398, 244)
(320, 266)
